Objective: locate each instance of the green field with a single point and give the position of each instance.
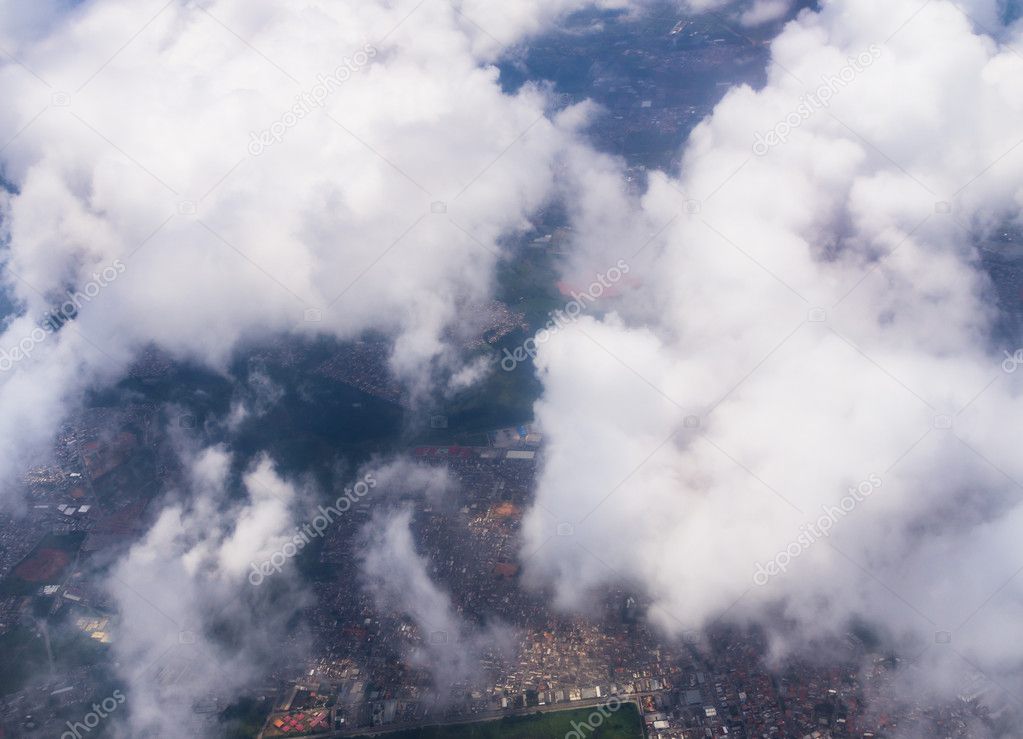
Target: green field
(623, 724)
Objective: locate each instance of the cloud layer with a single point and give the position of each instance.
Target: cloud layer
(812, 316)
(243, 184)
(809, 311)
(191, 627)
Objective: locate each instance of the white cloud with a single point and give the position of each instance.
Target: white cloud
(399, 579)
(402, 476)
(362, 216)
(765, 11)
(191, 627)
(379, 210)
(848, 216)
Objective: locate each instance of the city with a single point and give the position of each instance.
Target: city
(540, 369)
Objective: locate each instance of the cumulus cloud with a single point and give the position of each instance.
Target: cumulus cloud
(398, 576)
(402, 476)
(470, 375)
(191, 626)
(802, 317)
(236, 184)
(499, 24)
(746, 12)
(254, 400)
(765, 11)
(810, 316)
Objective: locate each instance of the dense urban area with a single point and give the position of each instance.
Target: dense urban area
(93, 499)
(347, 671)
